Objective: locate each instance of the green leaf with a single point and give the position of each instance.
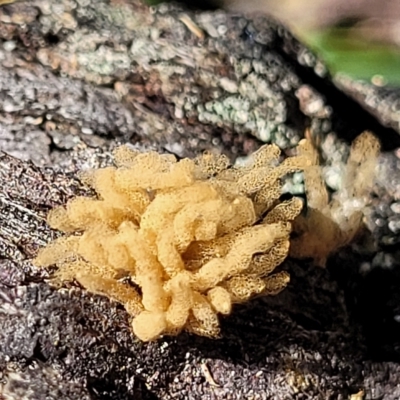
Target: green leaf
(361, 59)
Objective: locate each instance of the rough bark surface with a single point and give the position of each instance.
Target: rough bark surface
(78, 76)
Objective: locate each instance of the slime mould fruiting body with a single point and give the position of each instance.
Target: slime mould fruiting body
(179, 242)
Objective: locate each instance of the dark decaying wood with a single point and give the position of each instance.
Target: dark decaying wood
(76, 77)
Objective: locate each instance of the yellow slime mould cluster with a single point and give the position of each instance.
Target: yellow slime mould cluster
(331, 223)
(178, 242)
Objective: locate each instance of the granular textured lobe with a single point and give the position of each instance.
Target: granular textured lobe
(330, 225)
(178, 242)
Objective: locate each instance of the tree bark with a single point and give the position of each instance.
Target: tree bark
(78, 77)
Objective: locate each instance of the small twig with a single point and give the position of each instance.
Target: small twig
(207, 374)
(192, 26)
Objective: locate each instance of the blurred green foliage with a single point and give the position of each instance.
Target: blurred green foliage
(345, 52)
